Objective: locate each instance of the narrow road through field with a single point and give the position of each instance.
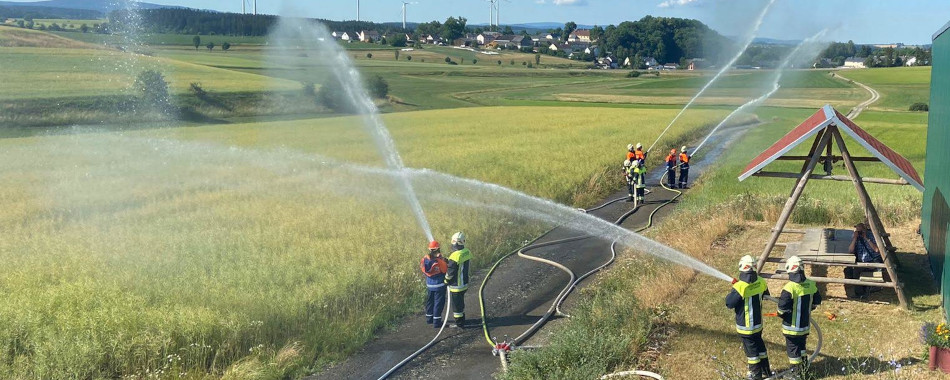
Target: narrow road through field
(519, 292)
(860, 107)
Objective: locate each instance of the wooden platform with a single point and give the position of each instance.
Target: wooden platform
(823, 244)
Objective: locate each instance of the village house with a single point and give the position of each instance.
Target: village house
(432, 39)
(522, 42)
(369, 36)
(650, 62)
(487, 37)
(344, 36)
(669, 66)
(854, 63)
(566, 48)
(580, 35)
(593, 50)
(696, 64)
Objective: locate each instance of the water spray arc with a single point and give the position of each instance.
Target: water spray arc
(775, 86)
(351, 82)
(726, 67)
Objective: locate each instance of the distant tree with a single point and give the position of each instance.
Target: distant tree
(512, 62)
(870, 62)
(383, 41)
(377, 86)
(20, 23)
(530, 65)
(919, 107)
(225, 46)
(84, 28)
(210, 46)
(462, 60)
(524, 63)
(596, 33)
(474, 61)
(478, 30)
(448, 59)
(633, 74)
(453, 28)
(332, 96)
(369, 55)
(569, 28)
(396, 53)
(196, 40)
(399, 40)
(508, 30)
(308, 89)
(408, 57)
(537, 59)
(152, 86)
(29, 24)
(499, 62)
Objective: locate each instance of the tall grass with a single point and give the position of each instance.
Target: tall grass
(233, 251)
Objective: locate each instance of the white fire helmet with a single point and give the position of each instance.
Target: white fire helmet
(639, 146)
(629, 146)
(627, 163)
(793, 264)
(458, 238)
(746, 264)
(683, 149)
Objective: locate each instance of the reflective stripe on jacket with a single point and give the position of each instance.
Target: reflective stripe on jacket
(639, 177)
(746, 300)
(795, 306)
(457, 276)
(434, 269)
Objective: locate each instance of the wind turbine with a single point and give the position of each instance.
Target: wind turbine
(357, 10)
(491, 14)
(245, 3)
(404, 4)
(498, 12)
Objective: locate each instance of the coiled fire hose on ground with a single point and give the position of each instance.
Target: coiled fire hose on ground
(555, 306)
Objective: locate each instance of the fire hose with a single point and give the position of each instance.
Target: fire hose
(448, 305)
(503, 347)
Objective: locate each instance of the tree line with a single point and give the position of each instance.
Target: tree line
(201, 22)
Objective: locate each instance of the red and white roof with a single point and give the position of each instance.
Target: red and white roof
(824, 117)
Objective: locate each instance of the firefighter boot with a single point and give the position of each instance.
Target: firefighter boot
(754, 373)
(765, 368)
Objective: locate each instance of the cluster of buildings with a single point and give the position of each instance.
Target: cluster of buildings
(577, 43)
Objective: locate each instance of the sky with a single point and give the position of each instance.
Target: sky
(863, 21)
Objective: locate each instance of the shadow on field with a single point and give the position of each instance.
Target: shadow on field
(829, 366)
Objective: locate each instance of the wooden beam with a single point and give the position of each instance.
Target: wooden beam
(832, 264)
(876, 226)
(835, 158)
(832, 178)
(793, 198)
(831, 280)
(791, 231)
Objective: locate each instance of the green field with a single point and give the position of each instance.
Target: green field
(899, 86)
(240, 247)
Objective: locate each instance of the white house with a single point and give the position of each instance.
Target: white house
(431, 39)
(562, 47)
(910, 61)
(854, 63)
(342, 35)
(580, 35)
(592, 50)
(669, 66)
(369, 36)
(650, 62)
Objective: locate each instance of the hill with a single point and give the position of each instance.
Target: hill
(101, 6)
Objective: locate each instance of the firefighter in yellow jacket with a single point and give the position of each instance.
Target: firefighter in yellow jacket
(746, 300)
(799, 297)
(457, 277)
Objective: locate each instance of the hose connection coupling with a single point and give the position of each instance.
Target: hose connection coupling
(501, 347)
(583, 211)
(734, 280)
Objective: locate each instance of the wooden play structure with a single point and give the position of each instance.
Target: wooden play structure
(829, 247)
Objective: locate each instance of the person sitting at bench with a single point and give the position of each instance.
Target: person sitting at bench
(865, 250)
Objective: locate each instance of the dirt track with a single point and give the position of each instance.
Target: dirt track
(519, 292)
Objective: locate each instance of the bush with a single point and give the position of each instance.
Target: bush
(369, 55)
(331, 95)
(633, 74)
(153, 87)
(499, 62)
(474, 61)
(408, 57)
(309, 88)
(377, 86)
(448, 60)
(919, 107)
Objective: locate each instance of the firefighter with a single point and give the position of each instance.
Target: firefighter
(684, 167)
(639, 180)
(638, 153)
(746, 300)
(671, 162)
(628, 167)
(630, 152)
(799, 297)
(433, 265)
(457, 277)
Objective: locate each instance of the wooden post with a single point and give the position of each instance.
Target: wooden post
(876, 228)
(793, 198)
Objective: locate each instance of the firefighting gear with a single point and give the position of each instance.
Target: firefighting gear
(433, 265)
(793, 264)
(684, 168)
(746, 263)
(671, 162)
(639, 180)
(458, 278)
(757, 356)
(746, 300)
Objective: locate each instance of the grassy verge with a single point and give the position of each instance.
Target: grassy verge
(726, 219)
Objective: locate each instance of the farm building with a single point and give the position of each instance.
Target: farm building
(935, 215)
